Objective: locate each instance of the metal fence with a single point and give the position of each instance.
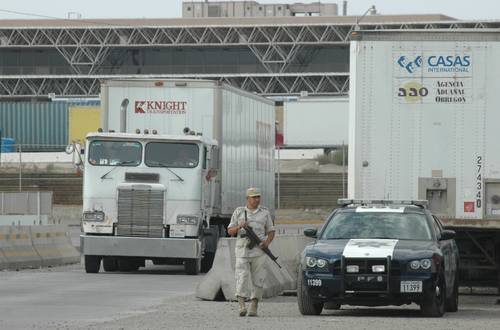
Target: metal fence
(40, 171)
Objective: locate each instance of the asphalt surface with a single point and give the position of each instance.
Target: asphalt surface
(162, 297)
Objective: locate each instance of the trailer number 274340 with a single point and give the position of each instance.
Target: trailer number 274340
(479, 181)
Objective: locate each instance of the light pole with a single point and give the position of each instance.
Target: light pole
(356, 27)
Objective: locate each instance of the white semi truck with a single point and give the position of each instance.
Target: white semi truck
(171, 164)
(424, 124)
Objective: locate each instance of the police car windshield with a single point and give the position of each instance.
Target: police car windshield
(346, 225)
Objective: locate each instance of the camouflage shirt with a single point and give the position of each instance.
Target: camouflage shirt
(261, 222)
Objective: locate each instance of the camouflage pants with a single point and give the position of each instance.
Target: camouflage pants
(250, 269)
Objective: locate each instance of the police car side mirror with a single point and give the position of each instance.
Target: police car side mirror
(447, 234)
(311, 232)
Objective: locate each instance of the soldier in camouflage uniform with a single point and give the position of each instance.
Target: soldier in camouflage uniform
(250, 260)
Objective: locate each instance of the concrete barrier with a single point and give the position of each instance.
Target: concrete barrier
(219, 283)
(35, 247)
(19, 250)
(3, 243)
(54, 245)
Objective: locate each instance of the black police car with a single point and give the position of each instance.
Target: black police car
(374, 253)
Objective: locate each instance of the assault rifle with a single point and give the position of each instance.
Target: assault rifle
(255, 241)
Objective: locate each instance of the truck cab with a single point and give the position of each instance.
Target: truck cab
(148, 196)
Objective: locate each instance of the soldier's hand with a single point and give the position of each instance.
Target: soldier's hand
(243, 224)
(264, 244)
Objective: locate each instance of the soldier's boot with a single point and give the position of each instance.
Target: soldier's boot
(253, 307)
(243, 308)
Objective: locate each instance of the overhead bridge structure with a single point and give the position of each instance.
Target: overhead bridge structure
(278, 56)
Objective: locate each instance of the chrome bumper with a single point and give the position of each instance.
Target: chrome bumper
(140, 246)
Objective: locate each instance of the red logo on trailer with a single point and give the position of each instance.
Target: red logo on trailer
(138, 107)
(166, 107)
(469, 207)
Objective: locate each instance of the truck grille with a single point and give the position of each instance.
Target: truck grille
(140, 212)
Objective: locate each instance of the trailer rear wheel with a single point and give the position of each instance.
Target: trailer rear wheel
(92, 264)
(192, 266)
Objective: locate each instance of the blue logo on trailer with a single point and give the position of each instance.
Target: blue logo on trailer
(436, 63)
(410, 64)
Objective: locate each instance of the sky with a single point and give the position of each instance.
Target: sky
(468, 10)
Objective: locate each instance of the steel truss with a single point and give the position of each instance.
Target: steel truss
(275, 46)
(264, 84)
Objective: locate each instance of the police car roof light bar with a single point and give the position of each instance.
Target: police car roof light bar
(345, 202)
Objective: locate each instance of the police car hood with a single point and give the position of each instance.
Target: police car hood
(373, 248)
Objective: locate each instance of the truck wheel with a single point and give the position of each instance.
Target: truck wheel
(92, 264)
(307, 306)
(110, 264)
(434, 301)
(192, 266)
(452, 302)
(207, 261)
(127, 265)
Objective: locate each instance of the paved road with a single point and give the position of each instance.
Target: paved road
(162, 297)
(67, 296)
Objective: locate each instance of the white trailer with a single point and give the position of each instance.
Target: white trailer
(424, 114)
(327, 122)
(172, 163)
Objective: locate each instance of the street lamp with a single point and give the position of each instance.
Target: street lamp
(356, 27)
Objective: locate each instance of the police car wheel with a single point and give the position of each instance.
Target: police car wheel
(433, 304)
(452, 301)
(307, 306)
(331, 306)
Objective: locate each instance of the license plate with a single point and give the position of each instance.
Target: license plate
(314, 282)
(411, 286)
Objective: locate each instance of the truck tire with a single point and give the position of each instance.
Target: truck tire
(92, 264)
(127, 265)
(192, 266)
(207, 261)
(434, 300)
(307, 306)
(109, 264)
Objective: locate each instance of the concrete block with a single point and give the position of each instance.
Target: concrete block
(4, 263)
(221, 278)
(44, 244)
(60, 244)
(19, 250)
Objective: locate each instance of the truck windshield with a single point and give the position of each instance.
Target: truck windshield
(115, 153)
(344, 225)
(169, 154)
